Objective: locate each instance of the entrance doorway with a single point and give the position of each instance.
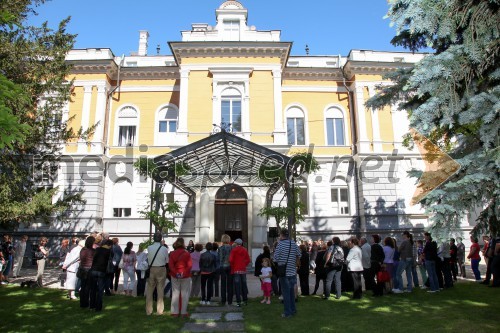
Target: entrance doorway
(231, 213)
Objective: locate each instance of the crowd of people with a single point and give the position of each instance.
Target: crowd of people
(91, 268)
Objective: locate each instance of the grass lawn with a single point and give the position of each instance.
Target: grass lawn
(468, 307)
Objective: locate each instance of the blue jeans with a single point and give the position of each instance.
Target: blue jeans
(98, 280)
(240, 287)
(287, 290)
(430, 266)
(207, 286)
(414, 274)
(226, 285)
(474, 264)
(404, 265)
(331, 275)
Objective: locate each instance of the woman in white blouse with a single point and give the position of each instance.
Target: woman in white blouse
(355, 266)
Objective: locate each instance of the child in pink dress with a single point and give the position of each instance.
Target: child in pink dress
(265, 278)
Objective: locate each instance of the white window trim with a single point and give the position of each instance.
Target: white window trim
(306, 122)
(239, 79)
(117, 124)
(337, 183)
(347, 135)
(158, 135)
(132, 202)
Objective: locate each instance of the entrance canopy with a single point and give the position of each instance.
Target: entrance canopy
(221, 158)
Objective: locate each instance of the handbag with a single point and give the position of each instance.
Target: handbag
(39, 255)
(148, 271)
(110, 269)
(281, 270)
(120, 264)
(383, 276)
(82, 273)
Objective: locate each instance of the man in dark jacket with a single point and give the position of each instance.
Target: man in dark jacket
(376, 259)
(98, 278)
(430, 256)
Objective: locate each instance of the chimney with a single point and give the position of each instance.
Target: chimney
(143, 43)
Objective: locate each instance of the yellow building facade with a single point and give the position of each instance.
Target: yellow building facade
(235, 76)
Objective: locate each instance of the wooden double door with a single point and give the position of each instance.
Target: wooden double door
(231, 217)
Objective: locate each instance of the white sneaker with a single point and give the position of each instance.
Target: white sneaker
(203, 303)
(207, 303)
(423, 287)
(397, 291)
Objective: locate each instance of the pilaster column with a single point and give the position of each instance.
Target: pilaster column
(377, 141)
(97, 142)
(279, 132)
(363, 142)
(400, 126)
(204, 226)
(87, 99)
(182, 131)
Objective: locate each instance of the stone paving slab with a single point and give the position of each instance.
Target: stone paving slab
(234, 316)
(211, 316)
(210, 308)
(214, 327)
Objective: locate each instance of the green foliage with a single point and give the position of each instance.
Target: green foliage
(281, 213)
(10, 129)
(162, 213)
(34, 91)
(453, 97)
(299, 164)
(147, 168)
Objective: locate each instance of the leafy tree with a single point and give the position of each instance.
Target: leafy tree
(34, 91)
(160, 212)
(300, 164)
(452, 97)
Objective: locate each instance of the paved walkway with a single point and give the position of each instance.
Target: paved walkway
(214, 318)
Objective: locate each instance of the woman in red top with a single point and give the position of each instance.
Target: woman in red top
(180, 270)
(475, 258)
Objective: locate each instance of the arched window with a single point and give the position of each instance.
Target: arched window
(339, 196)
(122, 198)
(167, 119)
(334, 121)
(295, 126)
(231, 108)
(127, 126)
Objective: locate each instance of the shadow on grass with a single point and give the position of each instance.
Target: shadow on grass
(47, 310)
(467, 307)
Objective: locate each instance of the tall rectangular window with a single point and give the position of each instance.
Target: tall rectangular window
(340, 200)
(126, 136)
(295, 131)
(231, 112)
(231, 29)
(335, 131)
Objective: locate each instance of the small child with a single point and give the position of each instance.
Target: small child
(265, 279)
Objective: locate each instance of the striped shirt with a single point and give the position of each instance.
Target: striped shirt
(281, 256)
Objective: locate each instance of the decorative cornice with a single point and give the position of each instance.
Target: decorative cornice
(312, 73)
(106, 66)
(182, 50)
(352, 68)
(149, 73)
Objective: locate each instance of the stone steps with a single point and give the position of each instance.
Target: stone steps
(214, 318)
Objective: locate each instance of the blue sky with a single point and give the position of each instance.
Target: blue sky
(329, 27)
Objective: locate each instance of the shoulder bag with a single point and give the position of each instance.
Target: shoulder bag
(148, 271)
